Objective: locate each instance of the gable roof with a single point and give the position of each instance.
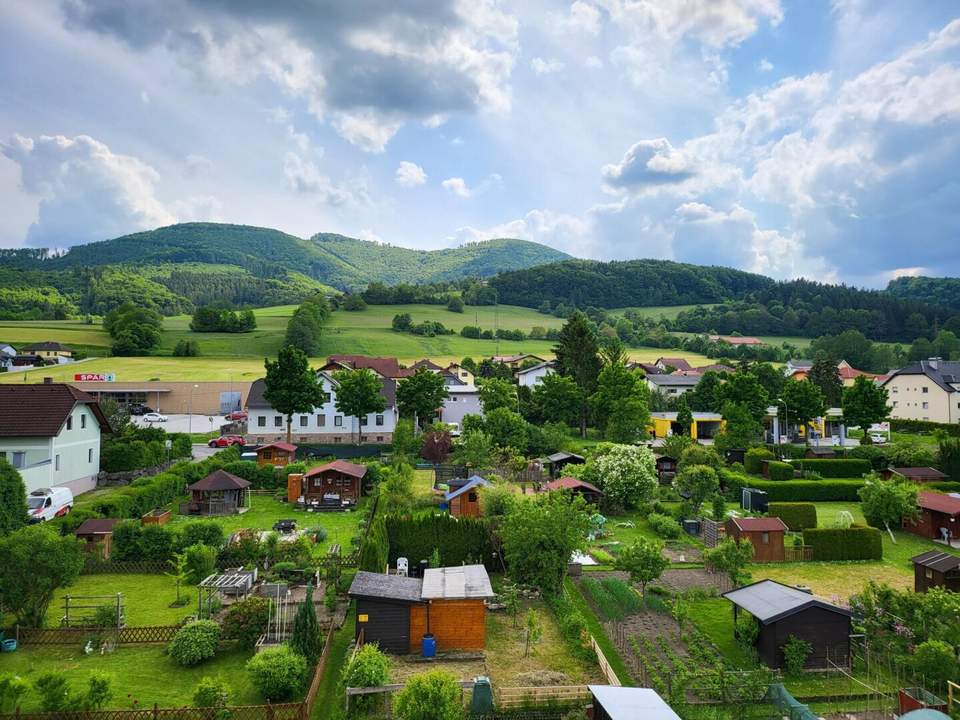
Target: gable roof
(769, 601)
(759, 524)
(463, 582)
(534, 368)
(629, 703)
(918, 472)
(674, 379)
(388, 367)
(561, 456)
(342, 466)
(255, 398)
(426, 363)
(571, 483)
(939, 502)
(937, 560)
(286, 447)
(515, 358)
(220, 480)
(678, 363)
(943, 373)
(41, 410)
(475, 481)
(385, 587)
(96, 526)
(736, 339)
(47, 346)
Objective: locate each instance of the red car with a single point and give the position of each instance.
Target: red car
(237, 415)
(226, 441)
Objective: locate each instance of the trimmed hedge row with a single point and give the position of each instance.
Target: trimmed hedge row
(838, 467)
(858, 542)
(777, 470)
(754, 458)
(136, 453)
(924, 426)
(797, 516)
(458, 540)
(793, 490)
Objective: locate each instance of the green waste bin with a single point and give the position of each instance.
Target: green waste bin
(482, 701)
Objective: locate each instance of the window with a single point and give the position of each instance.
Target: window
(926, 405)
(894, 389)
(303, 439)
(929, 573)
(380, 420)
(472, 497)
(83, 422)
(261, 421)
(321, 420)
(363, 438)
(278, 420)
(765, 538)
(363, 421)
(56, 463)
(70, 423)
(89, 455)
(453, 398)
(303, 420)
(894, 403)
(338, 421)
(326, 397)
(925, 390)
(337, 439)
(260, 439)
(379, 438)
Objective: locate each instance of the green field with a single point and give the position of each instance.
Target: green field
(240, 356)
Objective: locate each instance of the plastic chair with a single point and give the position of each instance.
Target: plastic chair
(403, 566)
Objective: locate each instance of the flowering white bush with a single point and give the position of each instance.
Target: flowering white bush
(627, 475)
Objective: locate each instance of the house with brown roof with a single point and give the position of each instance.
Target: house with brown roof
(50, 433)
(665, 363)
(765, 534)
(48, 350)
(337, 485)
(938, 518)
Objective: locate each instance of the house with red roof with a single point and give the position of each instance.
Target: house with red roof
(938, 518)
(766, 534)
(588, 492)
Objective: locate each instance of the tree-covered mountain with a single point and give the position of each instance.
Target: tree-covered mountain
(936, 291)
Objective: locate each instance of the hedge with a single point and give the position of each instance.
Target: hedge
(924, 426)
(375, 553)
(838, 468)
(858, 542)
(753, 460)
(797, 516)
(142, 450)
(793, 490)
(780, 470)
(459, 540)
(944, 487)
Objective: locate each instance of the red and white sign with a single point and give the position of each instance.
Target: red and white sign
(95, 377)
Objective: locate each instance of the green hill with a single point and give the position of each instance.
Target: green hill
(943, 291)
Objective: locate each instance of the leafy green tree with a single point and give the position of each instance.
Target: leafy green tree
(865, 403)
(405, 443)
(13, 499)
(305, 639)
(421, 395)
(730, 557)
(37, 561)
(620, 404)
(433, 695)
(558, 398)
(826, 376)
(627, 474)
(743, 388)
(135, 330)
(402, 322)
(455, 304)
(397, 486)
(887, 502)
(804, 400)
(539, 536)
(532, 630)
(936, 660)
(497, 393)
(358, 395)
(741, 431)
(246, 620)
(644, 561)
(291, 386)
(305, 327)
(475, 450)
(684, 416)
(696, 483)
(506, 428)
(576, 356)
(770, 377)
(368, 667)
(704, 397)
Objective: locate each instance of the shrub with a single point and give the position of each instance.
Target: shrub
(664, 525)
(157, 543)
(797, 516)
(53, 690)
(795, 654)
(246, 621)
(935, 660)
(201, 562)
(126, 540)
(205, 532)
(779, 470)
(433, 695)
(753, 460)
(368, 667)
(857, 542)
(699, 455)
(278, 673)
(211, 693)
(793, 490)
(195, 642)
(924, 427)
(838, 467)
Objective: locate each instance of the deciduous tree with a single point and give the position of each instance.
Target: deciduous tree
(864, 404)
(644, 561)
(421, 395)
(290, 385)
(358, 395)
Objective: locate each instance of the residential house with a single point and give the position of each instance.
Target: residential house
(648, 368)
(915, 474)
(925, 390)
(515, 362)
(797, 369)
(51, 433)
(278, 454)
(588, 492)
(848, 373)
(461, 373)
(783, 611)
(7, 354)
(531, 376)
(668, 364)
(335, 485)
(766, 534)
(48, 351)
(448, 603)
(462, 400)
(387, 367)
(464, 501)
(936, 568)
(705, 425)
(938, 518)
(673, 384)
(97, 536)
(736, 340)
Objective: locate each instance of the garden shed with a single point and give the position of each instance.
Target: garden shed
(782, 611)
(935, 568)
(588, 492)
(666, 469)
(219, 493)
(627, 703)
(555, 463)
(464, 501)
(915, 474)
(765, 534)
(97, 536)
(448, 603)
(939, 517)
(278, 454)
(335, 485)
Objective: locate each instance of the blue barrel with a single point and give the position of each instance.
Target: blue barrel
(444, 506)
(429, 646)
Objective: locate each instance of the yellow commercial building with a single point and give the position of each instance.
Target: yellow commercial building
(705, 425)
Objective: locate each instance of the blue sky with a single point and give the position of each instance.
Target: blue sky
(811, 138)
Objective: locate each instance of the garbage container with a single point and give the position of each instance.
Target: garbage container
(429, 646)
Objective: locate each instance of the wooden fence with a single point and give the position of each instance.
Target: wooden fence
(804, 553)
(608, 671)
(96, 566)
(509, 698)
(78, 635)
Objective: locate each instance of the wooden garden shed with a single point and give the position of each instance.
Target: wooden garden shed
(335, 485)
(938, 519)
(464, 501)
(915, 474)
(219, 493)
(588, 492)
(97, 536)
(278, 454)
(449, 603)
(765, 534)
(555, 463)
(935, 568)
(666, 469)
(782, 611)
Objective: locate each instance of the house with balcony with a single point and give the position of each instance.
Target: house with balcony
(925, 390)
(51, 434)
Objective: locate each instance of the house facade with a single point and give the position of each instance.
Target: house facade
(48, 350)
(462, 400)
(925, 390)
(51, 434)
(531, 376)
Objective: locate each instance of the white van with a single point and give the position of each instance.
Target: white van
(48, 503)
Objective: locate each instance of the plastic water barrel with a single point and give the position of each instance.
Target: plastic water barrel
(429, 646)
(444, 506)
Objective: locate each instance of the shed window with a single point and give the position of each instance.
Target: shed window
(765, 538)
(472, 497)
(929, 573)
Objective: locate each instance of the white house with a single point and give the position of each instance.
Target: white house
(672, 385)
(51, 433)
(7, 354)
(925, 390)
(532, 375)
(323, 425)
(461, 400)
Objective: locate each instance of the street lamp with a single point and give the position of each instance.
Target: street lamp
(190, 411)
(786, 422)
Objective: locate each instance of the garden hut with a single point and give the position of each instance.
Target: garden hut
(555, 463)
(278, 454)
(765, 534)
(464, 501)
(448, 603)
(337, 485)
(915, 474)
(938, 518)
(588, 492)
(782, 611)
(666, 469)
(97, 536)
(935, 568)
(219, 493)
(627, 703)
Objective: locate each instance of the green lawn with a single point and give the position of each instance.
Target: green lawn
(142, 674)
(147, 597)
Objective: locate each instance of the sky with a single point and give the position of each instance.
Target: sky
(806, 138)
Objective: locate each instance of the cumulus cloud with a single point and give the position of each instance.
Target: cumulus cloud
(540, 66)
(409, 174)
(558, 230)
(457, 186)
(304, 176)
(648, 162)
(764, 65)
(87, 192)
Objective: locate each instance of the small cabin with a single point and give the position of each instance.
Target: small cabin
(337, 485)
(935, 568)
(938, 518)
(666, 469)
(464, 501)
(97, 536)
(448, 603)
(555, 463)
(814, 452)
(766, 534)
(219, 493)
(609, 702)
(588, 492)
(782, 611)
(915, 474)
(278, 454)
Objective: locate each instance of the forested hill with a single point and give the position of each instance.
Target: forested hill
(580, 283)
(936, 291)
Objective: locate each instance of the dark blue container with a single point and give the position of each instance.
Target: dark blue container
(429, 646)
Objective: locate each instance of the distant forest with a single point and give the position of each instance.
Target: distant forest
(936, 291)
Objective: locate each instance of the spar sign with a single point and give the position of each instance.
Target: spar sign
(95, 377)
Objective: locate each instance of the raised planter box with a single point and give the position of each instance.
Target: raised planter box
(156, 517)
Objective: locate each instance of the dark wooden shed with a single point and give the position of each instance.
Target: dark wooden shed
(915, 474)
(555, 463)
(782, 611)
(278, 454)
(97, 535)
(219, 493)
(938, 519)
(765, 534)
(666, 469)
(936, 568)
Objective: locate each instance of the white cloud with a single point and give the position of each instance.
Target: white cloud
(409, 174)
(582, 17)
(457, 186)
(304, 176)
(561, 231)
(593, 62)
(300, 139)
(369, 130)
(764, 65)
(87, 192)
(540, 66)
(648, 162)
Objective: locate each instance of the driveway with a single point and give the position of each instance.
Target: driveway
(201, 451)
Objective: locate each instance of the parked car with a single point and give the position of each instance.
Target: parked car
(877, 439)
(237, 415)
(48, 503)
(152, 417)
(227, 441)
(139, 409)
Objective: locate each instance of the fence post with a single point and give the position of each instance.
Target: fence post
(156, 711)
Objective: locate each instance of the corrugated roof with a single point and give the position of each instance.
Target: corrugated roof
(937, 560)
(40, 410)
(760, 524)
(475, 481)
(347, 468)
(386, 587)
(220, 480)
(629, 703)
(939, 503)
(466, 582)
(769, 601)
(918, 472)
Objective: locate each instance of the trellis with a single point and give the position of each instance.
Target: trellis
(84, 609)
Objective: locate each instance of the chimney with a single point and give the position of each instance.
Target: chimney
(934, 362)
(48, 381)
